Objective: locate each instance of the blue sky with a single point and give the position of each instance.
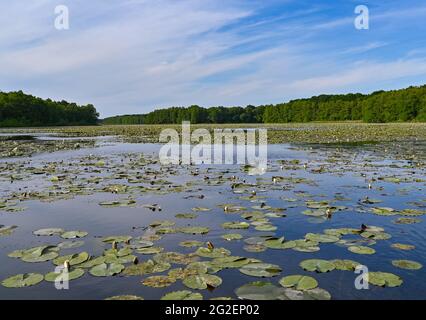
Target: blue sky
(131, 56)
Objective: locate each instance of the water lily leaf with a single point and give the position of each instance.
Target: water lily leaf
(376, 235)
(361, 250)
(232, 236)
(230, 262)
(345, 265)
(106, 270)
(212, 253)
(317, 265)
(299, 282)
(191, 243)
(73, 259)
(407, 221)
(235, 225)
(254, 248)
(146, 267)
(73, 234)
(92, 262)
(48, 232)
(22, 280)
(152, 250)
(158, 281)
(186, 216)
(70, 244)
(325, 238)
(6, 230)
(202, 281)
(260, 290)
(402, 246)
(40, 254)
(72, 275)
(384, 211)
(407, 264)
(201, 209)
(384, 279)
(194, 230)
(117, 239)
(266, 227)
(175, 257)
(125, 297)
(259, 269)
(182, 295)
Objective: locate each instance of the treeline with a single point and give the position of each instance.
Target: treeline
(381, 106)
(21, 110)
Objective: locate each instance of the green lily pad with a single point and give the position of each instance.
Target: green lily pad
(232, 236)
(376, 235)
(235, 225)
(22, 280)
(194, 230)
(72, 275)
(402, 246)
(299, 282)
(73, 259)
(361, 250)
(106, 270)
(182, 295)
(317, 265)
(191, 243)
(146, 267)
(117, 239)
(259, 269)
(175, 257)
(70, 244)
(384, 279)
(74, 234)
(345, 265)
(407, 264)
(212, 253)
(260, 290)
(158, 281)
(202, 281)
(325, 238)
(6, 230)
(186, 216)
(39, 254)
(49, 232)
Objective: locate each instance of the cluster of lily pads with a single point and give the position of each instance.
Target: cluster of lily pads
(250, 218)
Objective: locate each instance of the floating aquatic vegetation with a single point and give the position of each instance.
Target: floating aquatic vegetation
(182, 295)
(406, 221)
(407, 264)
(71, 275)
(36, 254)
(22, 280)
(146, 267)
(384, 279)
(191, 243)
(202, 281)
(259, 269)
(317, 265)
(175, 257)
(158, 281)
(73, 259)
(325, 238)
(106, 270)
(299, 282)
(235, 225)
(74, 234)
(345, 264)
(186, 216)
(6, 230)
(116, 239)
(194, 230)
(402, 246)
(361, 250)
(212, 253)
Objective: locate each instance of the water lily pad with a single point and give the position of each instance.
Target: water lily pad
(158, 281)
(106, 270)
(212, 253)
(202, 281)
(259, 269)
(117, 239)
(407, 264)
(72, 275)
(325, 238)
(70, 244)
(345, 265)
(194, 230)
(299, 282)
(317, 265)
(191, 243)
(73, 234)
(232, 236)
(384, 279)
(235, 225)
(175, 257)
(376, 235)
(6, 230)
(254, 248)
(39, 254)
(146, 267)
(73, 259)
(152, 250)
(361, 250)
(22, 280)
(49, 232)
(260, 290)
(402, 246)
(182, 295)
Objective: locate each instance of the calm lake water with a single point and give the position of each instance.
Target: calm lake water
(337, 175)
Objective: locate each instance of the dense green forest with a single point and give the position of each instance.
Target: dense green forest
(21, 110)
(381, 106)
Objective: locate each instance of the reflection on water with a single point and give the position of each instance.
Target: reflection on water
(63, 189)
